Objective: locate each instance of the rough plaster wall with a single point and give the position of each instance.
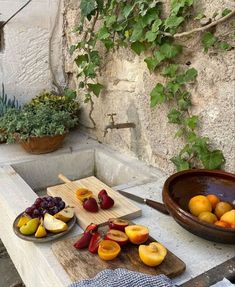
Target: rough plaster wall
(24, 63)
(128, 85)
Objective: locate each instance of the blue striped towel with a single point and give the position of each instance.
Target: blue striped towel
(124, 278)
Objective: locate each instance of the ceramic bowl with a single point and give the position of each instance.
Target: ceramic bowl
(182, 186)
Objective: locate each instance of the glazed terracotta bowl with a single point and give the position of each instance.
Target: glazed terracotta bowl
(182, 186)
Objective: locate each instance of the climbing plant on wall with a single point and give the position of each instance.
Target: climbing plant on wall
(141, 26)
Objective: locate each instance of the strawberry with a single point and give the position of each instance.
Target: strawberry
(92, 228)
(84, 241)
(94, 243)
(106, 202)
(90, 204)
(101, 193)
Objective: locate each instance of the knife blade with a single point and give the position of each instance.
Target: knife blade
(154, 204)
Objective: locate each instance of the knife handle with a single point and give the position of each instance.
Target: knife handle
(157, 205)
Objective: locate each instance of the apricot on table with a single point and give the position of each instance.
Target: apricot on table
(229, 217)
(207, 216)
(221, 208)
(152, 254)
(198, 204)
(108, 250)
(213, 200)
(137, 234)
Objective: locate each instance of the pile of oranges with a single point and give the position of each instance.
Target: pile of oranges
(211, 209)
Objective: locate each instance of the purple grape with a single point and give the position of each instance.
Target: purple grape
(57, 199)
(44, 204)
(38, 202)
(34, 207)
(36, 213)
(61, 205)
(29, 211)
(49, 198)
(51, 204)
(54, 210)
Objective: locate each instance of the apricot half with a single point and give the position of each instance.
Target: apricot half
(108, 250)
(118, 236)
(152, 254)
(198, 204)
(83, 193)
(137, 234)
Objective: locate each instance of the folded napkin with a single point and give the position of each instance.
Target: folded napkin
(124, 278)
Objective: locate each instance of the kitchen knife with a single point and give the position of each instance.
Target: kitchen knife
(154, 204)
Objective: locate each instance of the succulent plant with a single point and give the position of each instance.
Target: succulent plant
(6, 103)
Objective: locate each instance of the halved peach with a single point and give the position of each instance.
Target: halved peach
(118, 224)
(116, 235)
(83, 193)
(152, 254)
(108, 250)
(137, 234)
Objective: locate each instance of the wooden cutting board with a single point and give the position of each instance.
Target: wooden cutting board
(81, 264)
(123, 208)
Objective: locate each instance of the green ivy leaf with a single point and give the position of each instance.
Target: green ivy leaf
(199, 16)
(103, 33)
(173, 87)
(72, 48)
(192, 122)
(178, 5)
(89, 70)
(157, 95)
(170, 70)
(170, 50)
(190, 75)
(184, 104)
(137, 32)
(180, 163)
(151, 36)
(174, 117)
(212, 159)
(138, 47)
(208, 40)
(108, 43)
(127, 10)
(173, 21)
(152, 62)
(87, 7)
(95, 57)
(226, 11)
(149, 17)
(95, 88)
(156, 25)
(81, 59)
(110, 20)
(224, 46)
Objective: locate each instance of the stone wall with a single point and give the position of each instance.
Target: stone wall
(128, 84)
(24, 62)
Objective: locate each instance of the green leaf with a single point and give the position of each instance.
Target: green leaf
(157, 95)
(208, 40)
(156, 24)
(181, 164)
(173, 21)
(137, 32)
(224, 46)
(199, 16)
(192, 122)
(95, 88)
(95, 57)
(179, 133)
(191, 137)
(81, 59)
(72, 48)
(70, 94)
(108, 43)
(184, 104)
(170, 50)
(127, 10)
(153, 62)
(151, 36)
(89, 70)
(226, 11)
(149, 17)
(174, 117)
(190, 75)
(110, 20)
(138, 47)
(87, 6)
(170, 70)
(173, 87)
(212, 159)
(103, 33)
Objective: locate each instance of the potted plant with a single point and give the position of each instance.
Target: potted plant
(5, 104)
(39, 129)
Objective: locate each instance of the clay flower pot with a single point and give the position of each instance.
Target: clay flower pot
(41, 145)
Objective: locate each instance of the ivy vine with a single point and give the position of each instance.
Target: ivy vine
(139, 25)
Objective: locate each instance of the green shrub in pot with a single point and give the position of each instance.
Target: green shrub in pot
(36, 122)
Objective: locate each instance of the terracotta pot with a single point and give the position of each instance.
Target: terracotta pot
(182, 186)
(41, 145)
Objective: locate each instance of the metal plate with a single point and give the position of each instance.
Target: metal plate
(50, 236)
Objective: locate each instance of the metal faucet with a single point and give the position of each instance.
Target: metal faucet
(112, 124)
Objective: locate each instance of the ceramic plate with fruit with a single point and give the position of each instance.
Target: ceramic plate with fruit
(47, 219)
